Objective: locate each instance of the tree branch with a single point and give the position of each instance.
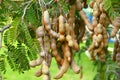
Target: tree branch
(4, 28)
(25, 9)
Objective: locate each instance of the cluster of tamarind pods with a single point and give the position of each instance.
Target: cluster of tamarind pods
(60, 36)
(100, 37)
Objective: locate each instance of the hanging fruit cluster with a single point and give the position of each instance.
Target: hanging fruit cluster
(99, 35)
(60, 35)
(58, 38)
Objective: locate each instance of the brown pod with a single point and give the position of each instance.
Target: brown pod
(33, 63)
(53, 44)
(75, 67)
(40, 31)
(62, 37)
(100, 28)
(46, 77)
(38, 73)
(61, 24)
(66, 51)
(63, 69)
(91, 4)
(114, 32)
(95, 7)
(100, 48)
(78, 5)
(49, 59)
(59, 60)
(76, 46)
(39, 60)
(102, 18)
(95, 22)
(69, 39)
(102, 7)
(99, 38)
(84, 17)
(45, 69)
(96, 13)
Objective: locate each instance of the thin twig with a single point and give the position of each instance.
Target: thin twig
(49, 3)
(25, 9)
(4, 28)
(1, 33)
(42, 5)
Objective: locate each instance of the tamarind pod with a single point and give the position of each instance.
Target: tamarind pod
(78, 5)
(76, 46)
(69, 39)
(114, 32)
(46, 77)
(46, 22)
(53, 44)
(94, 21)
(66, 51)
(57, 57)
(96, 13)
(54, 34)
(39, 60)
(99, 38)
(36, 62)
(32, 63)
(40, 39)
(102, 7)
(105, 37)
(40, 31)
(46, 43)
(99, 28)
(45, 69)
(55, 52)
(95, 7)
(38, 73)
(75, 67)
(102, 18)
(43, 52)
(49, 59)
(61, 25)
(63, 69)
(99, 49)
(61, 37)
(96, 44)
(84, 17)
(67, 28)
(46, 18)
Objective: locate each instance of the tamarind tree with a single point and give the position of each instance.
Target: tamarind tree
(32, 32)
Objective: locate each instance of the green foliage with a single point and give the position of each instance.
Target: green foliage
(107, 70)
(31, 16)
(16, 56)
(112, 7)
(2, 64)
